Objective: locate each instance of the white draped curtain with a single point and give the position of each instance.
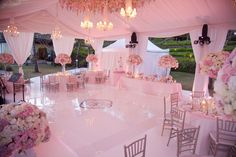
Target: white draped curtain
(63, 45)
(97, 46)
(20, 47)
(218, 37)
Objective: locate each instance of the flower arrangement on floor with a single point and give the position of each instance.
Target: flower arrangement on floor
(63, 59)
(6, 58)
(168, 61)
(212, 63)
(225, 85)
(22, 126)
(92, 58)
(168, 79)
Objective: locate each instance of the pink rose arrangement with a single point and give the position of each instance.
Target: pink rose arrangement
(134, 59)
(6, 58)
(225, 85)
(168, 79)
(22, 126)
(92, 58)
(212, 63)
(168, 61)
(63, 59)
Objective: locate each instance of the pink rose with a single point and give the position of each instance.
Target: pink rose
(225, 78)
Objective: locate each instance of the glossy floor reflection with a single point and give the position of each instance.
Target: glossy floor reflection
(102, 132)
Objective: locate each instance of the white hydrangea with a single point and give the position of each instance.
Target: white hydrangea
(232, 84)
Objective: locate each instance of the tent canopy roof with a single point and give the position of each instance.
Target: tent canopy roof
(154, 19)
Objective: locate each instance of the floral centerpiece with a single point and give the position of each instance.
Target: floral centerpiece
(6, 58)
(212, 63)
(134, 60)
(168, 61)
(225, 85)
(91, 59)
(63, 59)
(22, 126)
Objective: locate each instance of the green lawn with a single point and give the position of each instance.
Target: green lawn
(43, 68)
(186, 79)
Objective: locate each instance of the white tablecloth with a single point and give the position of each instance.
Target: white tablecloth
(150, 87)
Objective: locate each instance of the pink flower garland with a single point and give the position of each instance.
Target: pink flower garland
(63, 59)
(92, 58)
(168, 61)
(6, 58)
(97, 6)
(212, 63)
(21, 127)
(134, 59)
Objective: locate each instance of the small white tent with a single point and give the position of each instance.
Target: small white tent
(114, 56)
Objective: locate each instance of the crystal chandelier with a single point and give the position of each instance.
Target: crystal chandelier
(104, 25)
(56, 33)
(12, 30)
(86, 24)
(128, 11)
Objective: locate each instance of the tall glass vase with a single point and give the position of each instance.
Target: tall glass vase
(91, 66)
(63, 68)
(133, 69)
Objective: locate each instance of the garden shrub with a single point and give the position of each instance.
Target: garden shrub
(9, 68)
(186, 65)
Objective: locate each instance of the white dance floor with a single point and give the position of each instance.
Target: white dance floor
(79, 132)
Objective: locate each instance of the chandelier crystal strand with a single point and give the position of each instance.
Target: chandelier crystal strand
(128, 11)
(12, 30)
(105, 24)
(56, 32)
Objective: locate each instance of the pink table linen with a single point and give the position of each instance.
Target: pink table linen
(115, 77)
(91, 75)
(150, 87)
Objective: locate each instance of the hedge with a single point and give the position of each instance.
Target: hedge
(186, 65)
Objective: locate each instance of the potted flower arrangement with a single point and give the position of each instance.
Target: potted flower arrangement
(211, 64)
(168, 61)
(225, 85)
(91, 59)
(63, 59)
(134, 60)
(6, 58)
(22, 126)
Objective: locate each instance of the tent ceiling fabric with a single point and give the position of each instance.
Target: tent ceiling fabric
(154, 19)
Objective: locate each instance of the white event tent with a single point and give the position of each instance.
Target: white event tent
(116, 53)
(159, 18)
